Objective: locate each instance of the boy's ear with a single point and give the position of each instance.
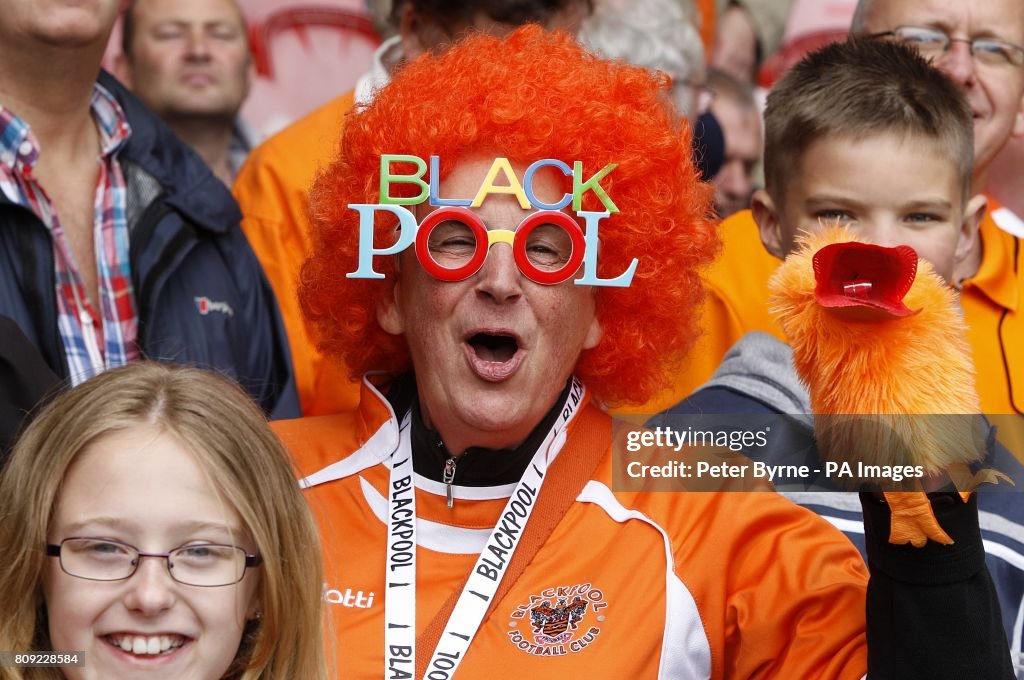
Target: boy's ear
(974, 213)
(769, 223)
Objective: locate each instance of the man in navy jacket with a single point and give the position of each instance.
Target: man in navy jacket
(116, 242)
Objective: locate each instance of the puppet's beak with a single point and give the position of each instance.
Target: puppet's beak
(863, 281)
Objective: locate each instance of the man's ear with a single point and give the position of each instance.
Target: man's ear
(974, 213)
(407, 24)
(389, 315)
(594, 333)
(769, 223)
(418, 34)
(122, 68)
(1018, 121)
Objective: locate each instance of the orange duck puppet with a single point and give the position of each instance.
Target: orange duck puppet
(880, 341)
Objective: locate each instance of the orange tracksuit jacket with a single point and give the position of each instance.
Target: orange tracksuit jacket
(677, 585)
(272, 190)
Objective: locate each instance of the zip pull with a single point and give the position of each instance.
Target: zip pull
(449, 477)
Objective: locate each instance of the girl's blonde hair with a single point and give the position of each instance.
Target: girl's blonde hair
(230, 439)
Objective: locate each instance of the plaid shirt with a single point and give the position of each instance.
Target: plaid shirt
(92, 341)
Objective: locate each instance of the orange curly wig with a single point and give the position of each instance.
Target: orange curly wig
(530, 96)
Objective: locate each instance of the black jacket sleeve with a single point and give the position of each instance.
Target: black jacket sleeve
(932, 612)
(25, 379)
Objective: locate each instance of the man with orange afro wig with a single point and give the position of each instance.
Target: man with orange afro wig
(467, 508)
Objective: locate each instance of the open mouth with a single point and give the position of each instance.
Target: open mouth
(494, 348)
(865, 281)
(493, 355)
(146, 645)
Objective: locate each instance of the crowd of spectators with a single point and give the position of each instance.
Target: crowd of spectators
(146, 222)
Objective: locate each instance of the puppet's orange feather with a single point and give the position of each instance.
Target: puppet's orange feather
(904, 371)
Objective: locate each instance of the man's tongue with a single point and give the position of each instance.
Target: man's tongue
(493, 348)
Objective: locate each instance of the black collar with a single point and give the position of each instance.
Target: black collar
(477, 466)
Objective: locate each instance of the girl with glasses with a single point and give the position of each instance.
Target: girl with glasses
(152, 527)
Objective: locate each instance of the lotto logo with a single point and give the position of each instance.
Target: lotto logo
(357, 599)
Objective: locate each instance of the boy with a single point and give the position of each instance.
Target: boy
(879, 141)
(869, 135)
(983, 61)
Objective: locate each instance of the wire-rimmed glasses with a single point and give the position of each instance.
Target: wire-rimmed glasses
(197, 564)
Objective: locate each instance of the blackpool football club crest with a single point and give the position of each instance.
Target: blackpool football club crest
(558, 621)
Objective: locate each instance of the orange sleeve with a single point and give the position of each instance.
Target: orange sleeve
(272, 190)
(792, 599)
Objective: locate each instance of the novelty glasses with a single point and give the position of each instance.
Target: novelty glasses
(452, 244)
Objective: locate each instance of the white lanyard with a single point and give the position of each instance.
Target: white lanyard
(490, 567)
(400, 571)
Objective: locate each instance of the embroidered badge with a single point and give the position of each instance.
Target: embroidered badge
(205, 305)
(558, 621)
